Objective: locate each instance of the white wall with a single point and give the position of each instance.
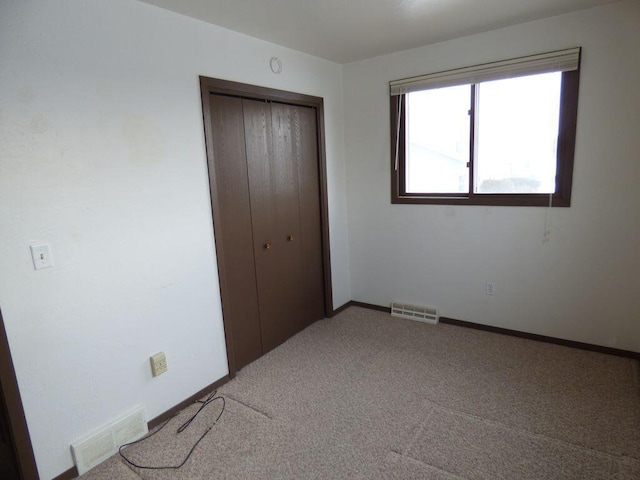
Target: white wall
(102, 155)
(583, 283)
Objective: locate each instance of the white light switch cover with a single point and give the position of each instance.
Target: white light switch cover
(41, 255)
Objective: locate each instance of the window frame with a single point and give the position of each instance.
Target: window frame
(564, 161)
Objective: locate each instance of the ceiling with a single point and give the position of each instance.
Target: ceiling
(347, 30)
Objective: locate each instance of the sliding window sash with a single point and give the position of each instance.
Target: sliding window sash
(565, 61)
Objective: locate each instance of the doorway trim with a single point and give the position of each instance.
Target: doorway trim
(21, 440)
(210, 86)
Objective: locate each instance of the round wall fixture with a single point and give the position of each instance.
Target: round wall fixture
(276, 65)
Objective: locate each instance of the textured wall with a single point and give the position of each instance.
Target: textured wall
(102, 155)
(583, 283)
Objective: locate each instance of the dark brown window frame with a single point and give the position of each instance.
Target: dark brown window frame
(564, 166)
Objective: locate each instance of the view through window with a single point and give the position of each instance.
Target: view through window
(506, 136)
(516, 132)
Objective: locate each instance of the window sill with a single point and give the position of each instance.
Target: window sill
(500, 200)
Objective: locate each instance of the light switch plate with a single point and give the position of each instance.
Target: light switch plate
(41, 255)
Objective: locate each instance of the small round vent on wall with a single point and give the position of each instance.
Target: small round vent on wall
(276, 65)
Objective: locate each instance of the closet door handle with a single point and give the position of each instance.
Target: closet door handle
(267, 245)
(290, 238)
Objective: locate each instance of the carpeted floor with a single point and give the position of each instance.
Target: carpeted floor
(368, 396)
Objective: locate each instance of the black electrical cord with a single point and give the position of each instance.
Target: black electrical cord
(211, 398)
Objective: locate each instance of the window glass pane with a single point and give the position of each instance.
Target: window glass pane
(517, 134)
(437, 142)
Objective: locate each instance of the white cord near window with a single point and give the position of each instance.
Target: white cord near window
(547, 226)
(398, 134)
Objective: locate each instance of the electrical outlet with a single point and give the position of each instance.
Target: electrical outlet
(158, 364)
(490, 288)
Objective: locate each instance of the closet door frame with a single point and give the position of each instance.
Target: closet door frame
(209, 86)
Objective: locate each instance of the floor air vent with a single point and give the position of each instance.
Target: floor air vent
(96, 448)
(415, 312)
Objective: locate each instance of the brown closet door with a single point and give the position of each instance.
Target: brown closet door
(306, 152)
(265, 168)
(233, 229)
(273, 186)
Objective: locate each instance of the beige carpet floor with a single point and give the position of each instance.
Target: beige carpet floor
(368, 396)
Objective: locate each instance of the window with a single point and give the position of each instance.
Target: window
(496, 134)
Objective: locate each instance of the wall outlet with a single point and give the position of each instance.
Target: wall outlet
(490, 288)
(158, 364)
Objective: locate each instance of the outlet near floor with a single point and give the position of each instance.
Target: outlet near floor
(158, 364)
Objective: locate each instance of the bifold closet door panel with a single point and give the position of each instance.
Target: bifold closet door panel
(306, 147)
(233, 229)
(273, 185)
